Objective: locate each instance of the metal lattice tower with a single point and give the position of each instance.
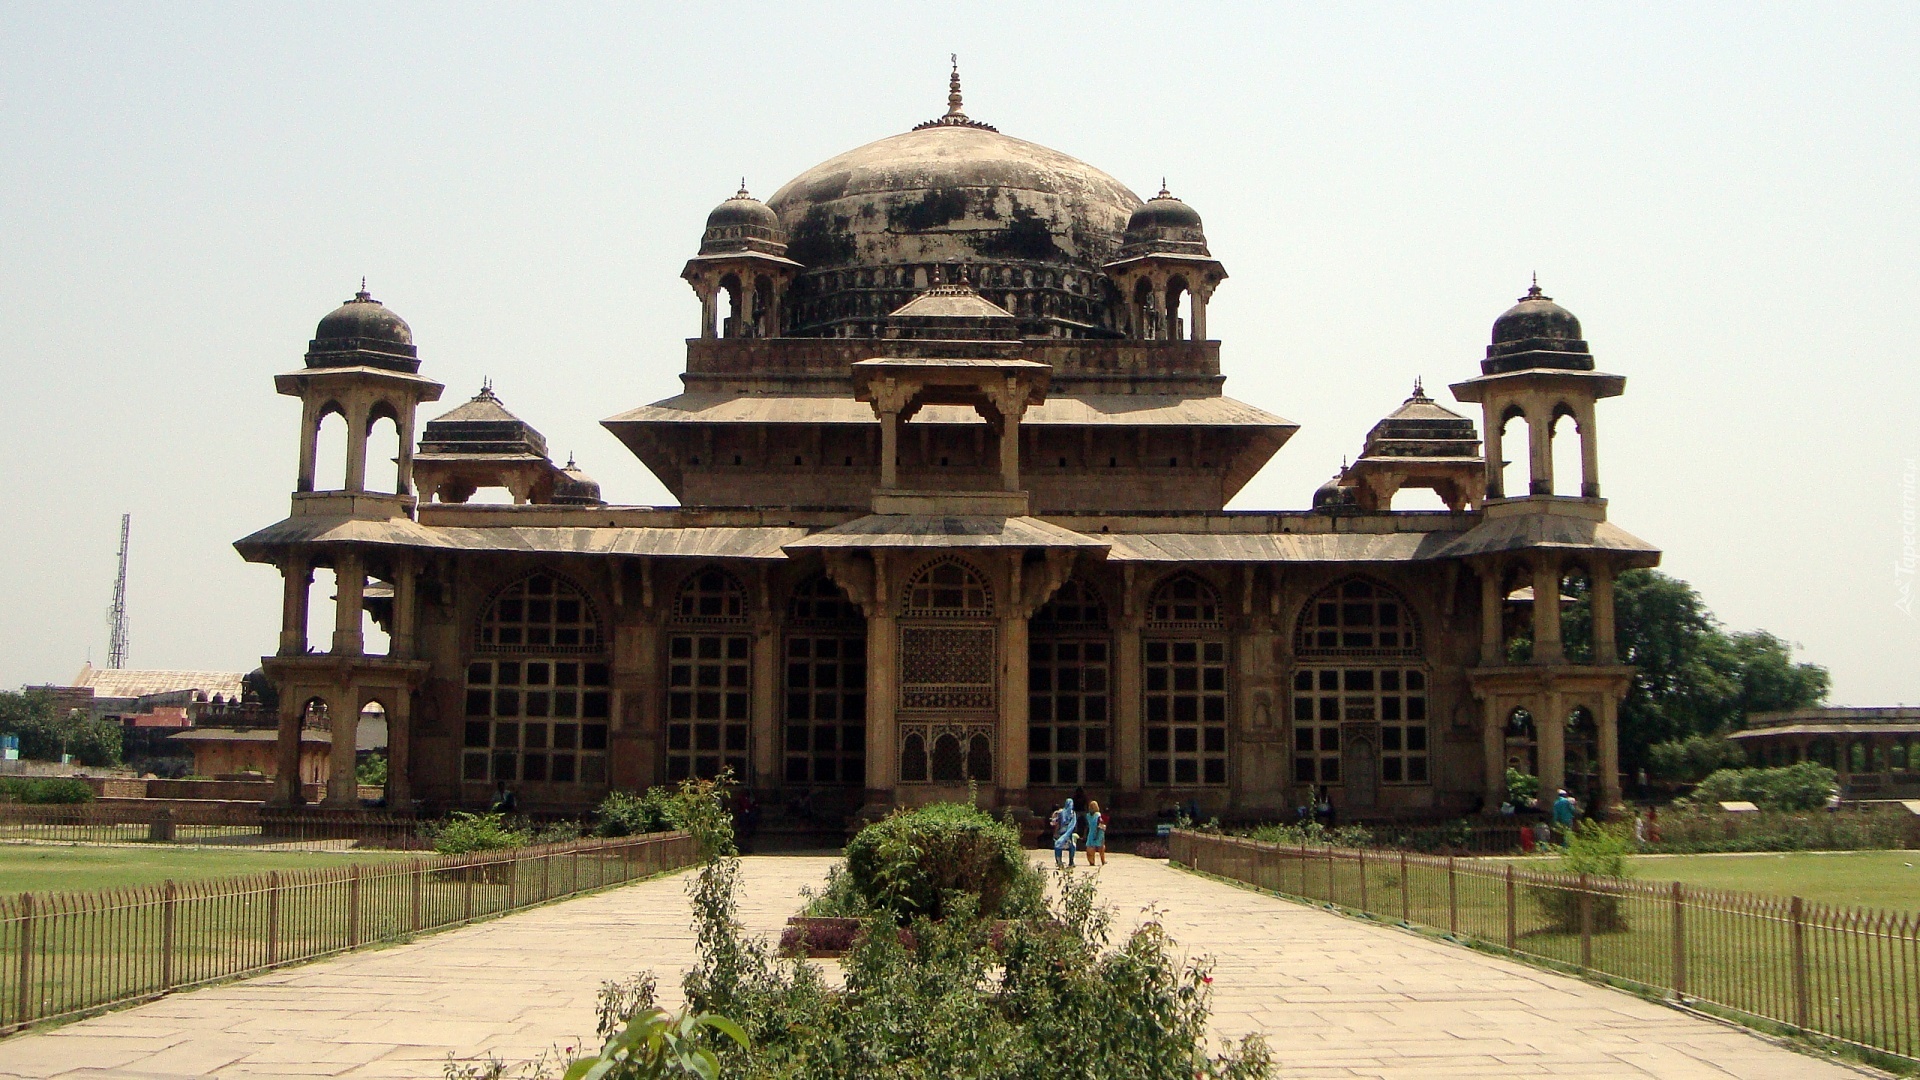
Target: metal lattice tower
(117, 614)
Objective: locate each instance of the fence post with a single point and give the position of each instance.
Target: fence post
(26, 959)
(1679, 941)
(1586, 922)
(1406, 894)
(576, 871)
(166, 935)
(273, 918)
(1453, 900)
(1304, 891)
(546, 876)
(1800, 991)
(1332, 893)
(1513, 914)
(1362, 856)
(513, 882)
(467, 913)
(413, 907)
(353, 906)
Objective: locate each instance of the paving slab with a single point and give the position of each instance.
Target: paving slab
(1335, 997)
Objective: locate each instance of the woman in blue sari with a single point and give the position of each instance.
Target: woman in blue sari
(1064, 823)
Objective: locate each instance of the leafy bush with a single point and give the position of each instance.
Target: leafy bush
(464, 833)
(1522, 788)
(1687, 761)
(1599, 851)
(837, 899)
(1805, 786)
(1314, 833)
(697, 807)
(1685, 831)
(911, 863)
(49, 790)
(372, 772)
(558, 832)
(1057, 1001)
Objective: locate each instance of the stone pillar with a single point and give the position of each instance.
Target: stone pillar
(1128, 737)
(1606, 643)
(1492, 647)
(1010, 771)
(883, 689)
(1589, 452)
(343, 785)
(286, 749)
(400, 752)
(1493, 747)
(1496, 478)
(706, 313)
(1539, 454)
(349, 586)
(1010, 453)
(1550, 723)
(889, 450)
(296, 586)
(1607, 733)
(357, 425)
(406, 610)
(765, 702)
(1546, 611)
(309, 445)
(403, 475)
(1199, 315)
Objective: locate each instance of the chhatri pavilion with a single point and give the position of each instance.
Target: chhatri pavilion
(952, 454)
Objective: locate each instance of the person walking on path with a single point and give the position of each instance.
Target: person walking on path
(1564, 810)
(1064, 823)
(1096, 834)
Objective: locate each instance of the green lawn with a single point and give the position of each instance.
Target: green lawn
(69, 868)
(1888, 880)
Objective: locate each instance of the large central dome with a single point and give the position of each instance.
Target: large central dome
(1026, 225)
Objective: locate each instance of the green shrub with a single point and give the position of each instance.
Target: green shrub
(1599, 851)
(1687, 761)
(1688, 831)
(1314, 833)
(44, 736)
(696, 807)
(372, 772)
(45, 790)
(1058, 1000)
(910, 863)
(1806, 786)
(463, 834)
(1522, 788)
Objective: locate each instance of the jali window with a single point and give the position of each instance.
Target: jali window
(1185, 686)
(709, 680)
(1068, 726)
(532, 718)
(948, 668)
(1396, 698)
(826, 687)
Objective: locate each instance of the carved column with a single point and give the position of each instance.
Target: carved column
(1606, 643)
(766, 690)
(1589, 452)
(1550, 722)
(309, 444)
(1546, 611)
(357, 425)
(403, 476)
(343, 785)
(1609, 737)
(286, 748)
(400, 752)
(1493, 746)
(406, 606)
(1496, 478)
(296, 587)
(1492, 651)
(1539, 453)
(1128, 738)
(350, 582)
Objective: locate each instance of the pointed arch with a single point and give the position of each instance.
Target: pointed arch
(1357, 615)
(1185, 601)
(709, 596)
(948, 588)
(542, 612)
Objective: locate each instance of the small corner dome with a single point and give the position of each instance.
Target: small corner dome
(365, 319)
(1535, 316)
(1333, 494)
(575, 487)
(1165, 224)
(743, 209)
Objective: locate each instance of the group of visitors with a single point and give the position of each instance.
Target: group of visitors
(1072, 829)
(1558, 823)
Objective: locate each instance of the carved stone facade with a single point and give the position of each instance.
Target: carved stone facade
(952, 457)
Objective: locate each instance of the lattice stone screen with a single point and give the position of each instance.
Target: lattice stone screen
(947, 667)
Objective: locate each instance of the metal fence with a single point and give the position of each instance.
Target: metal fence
(66, 954)
(1849, 974)
(236, 824)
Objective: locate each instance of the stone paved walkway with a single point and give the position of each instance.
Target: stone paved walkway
(1336, 997)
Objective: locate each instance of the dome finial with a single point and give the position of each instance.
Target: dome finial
(742, 193)
(363, 295)
(1418, 390)
(1533, 292)
(953, 88)
(1164, 193)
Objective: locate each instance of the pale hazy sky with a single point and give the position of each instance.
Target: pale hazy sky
(1724, 194)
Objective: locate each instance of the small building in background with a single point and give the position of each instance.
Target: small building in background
(1876, 751)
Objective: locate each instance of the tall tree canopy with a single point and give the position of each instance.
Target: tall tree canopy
(1695, 678)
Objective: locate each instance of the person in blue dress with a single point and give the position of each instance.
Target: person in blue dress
(1096, 834)
(1064, 823)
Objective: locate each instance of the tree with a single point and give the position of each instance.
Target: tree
(1693, 677)
(43, 736)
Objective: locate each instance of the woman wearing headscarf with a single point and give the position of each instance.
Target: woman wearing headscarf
(1064, 822)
